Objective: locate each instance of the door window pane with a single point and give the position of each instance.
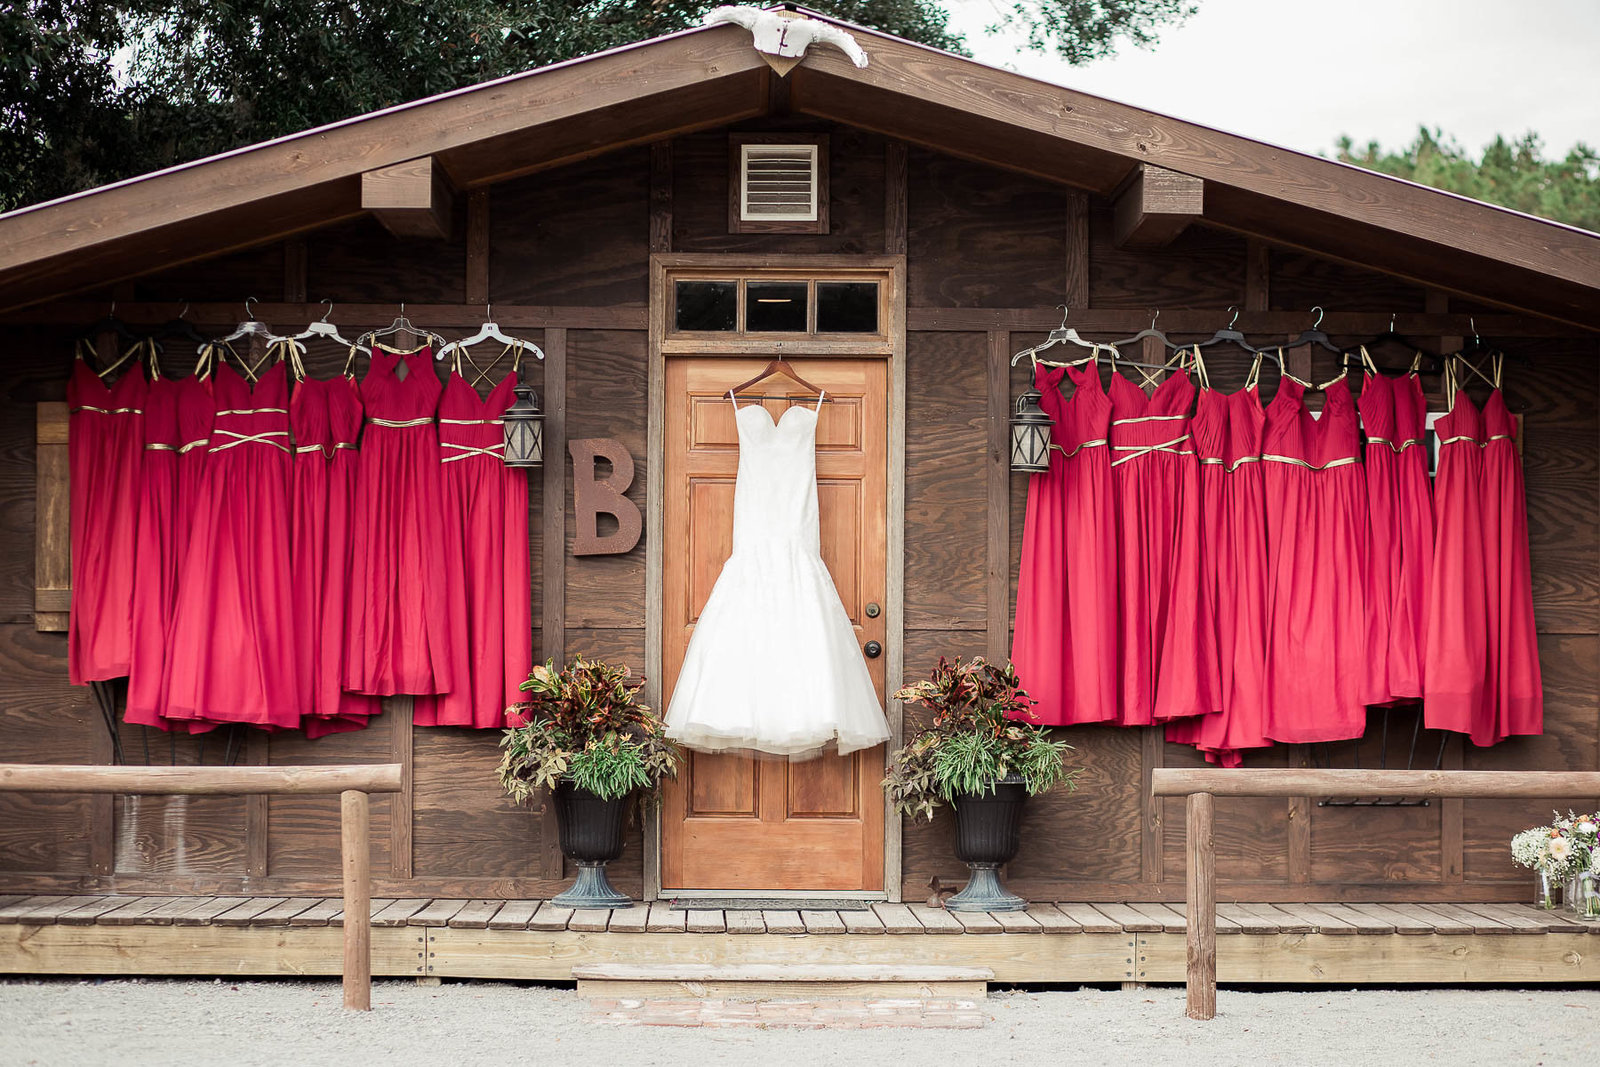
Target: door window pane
(707, 305)
(775, 307)
(847, 307)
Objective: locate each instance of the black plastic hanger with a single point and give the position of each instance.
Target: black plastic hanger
(1228, 335)
(1171, 345)
(1314, 336)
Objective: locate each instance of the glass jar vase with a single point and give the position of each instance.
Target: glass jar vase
(1546, 893)
(1583, 896)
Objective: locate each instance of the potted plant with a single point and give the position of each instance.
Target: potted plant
(978, 758)
(584, 735)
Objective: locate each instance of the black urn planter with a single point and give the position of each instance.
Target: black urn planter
(988, 834)
(591, 837)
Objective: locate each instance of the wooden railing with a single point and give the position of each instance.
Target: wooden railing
(353, 783)
(1202, 786)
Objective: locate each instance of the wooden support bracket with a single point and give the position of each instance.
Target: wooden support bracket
(411, 199)
(1156, 206)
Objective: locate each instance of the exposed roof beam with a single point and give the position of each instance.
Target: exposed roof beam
(411, 199)
(1157, 205)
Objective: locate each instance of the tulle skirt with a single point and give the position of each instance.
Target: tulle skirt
(773, 667)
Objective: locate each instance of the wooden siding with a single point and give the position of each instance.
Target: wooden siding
(977, 240)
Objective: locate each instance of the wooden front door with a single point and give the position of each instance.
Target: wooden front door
(732, 822)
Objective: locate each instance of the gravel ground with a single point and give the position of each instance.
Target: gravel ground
(242, 1024)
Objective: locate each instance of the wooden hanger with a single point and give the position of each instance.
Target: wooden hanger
(777, 366)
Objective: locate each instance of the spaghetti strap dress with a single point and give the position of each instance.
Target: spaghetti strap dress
(1457, 650)
(1064, 646)
(326, 418)
(231, 656)
(1316, 540)
(399, 638)
(155, 582)
(1414, 519)
(1385, 543)
(1227, 432)
(1168, 659)
(480, 503)
(1514, 687)
(105, 449)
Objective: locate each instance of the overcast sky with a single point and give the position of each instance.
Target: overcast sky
(1299, 74)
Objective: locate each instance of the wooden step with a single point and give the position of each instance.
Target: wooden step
(765, 981)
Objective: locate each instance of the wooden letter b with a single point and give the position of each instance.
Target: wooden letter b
(592, 496)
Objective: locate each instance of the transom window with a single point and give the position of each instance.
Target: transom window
(776, 305)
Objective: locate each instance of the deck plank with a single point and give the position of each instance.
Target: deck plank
(705, 921)
(1051, 920)
(1522, 924)
(1440, 924)
(1555, 921)
(896, 918)
(1174, 920)
(1128, 920)
(550, 917)
(398, 911)
(629, 920)
(52, 910)
(133, 912)
(861, 922)
(438, 913)
(283, 914)
(1244, 920)
(1321, 922)
(665, 920)
(935, 920)
(1363, 924)
(241, 914)
(207, 911)
(1475, 923)
(589, 920)
(321, 913)
(783, 921)
(822, 922)
(476, 915)
(744, 921)
(91, 909)
(1091, 920)
(14, 912)
(1018, 922)
(514, 915)
(169, 908)
(1400, 922)
(976, 922)
(1284, 922)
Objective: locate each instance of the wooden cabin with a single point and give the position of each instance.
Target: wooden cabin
(595, 206)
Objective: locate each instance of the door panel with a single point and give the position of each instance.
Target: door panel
(732, 821)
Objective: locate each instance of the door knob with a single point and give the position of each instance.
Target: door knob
(873, 650)
(873, 610)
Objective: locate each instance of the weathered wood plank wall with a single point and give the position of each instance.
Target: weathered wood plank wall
(975, 239)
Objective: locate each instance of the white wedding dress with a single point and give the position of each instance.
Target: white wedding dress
(773, 665)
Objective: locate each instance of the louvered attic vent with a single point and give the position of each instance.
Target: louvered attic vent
(778, 183)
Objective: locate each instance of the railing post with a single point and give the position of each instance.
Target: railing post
(1201, 923)
(355, 849)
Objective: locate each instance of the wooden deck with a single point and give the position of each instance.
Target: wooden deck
(531, 939)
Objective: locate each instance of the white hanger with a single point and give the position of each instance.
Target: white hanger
(401, 324)
(489, 331)
(1062, 334)
(323, 328)
(251, 327)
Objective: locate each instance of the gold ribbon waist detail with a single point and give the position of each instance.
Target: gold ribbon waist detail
(264, 438)
(401, 424)
(1086, 444)
(107, 411)
(463, 451)
(1136, 451)
(1343, 461)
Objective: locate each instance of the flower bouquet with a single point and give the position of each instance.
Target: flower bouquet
(1565, 856)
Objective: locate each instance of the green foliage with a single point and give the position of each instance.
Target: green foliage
(91, 92)
(1081, 31)
(974, 741)
(584, 725)
(1513, 174)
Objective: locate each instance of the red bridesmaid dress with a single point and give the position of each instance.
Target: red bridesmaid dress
(1064, 645)
(1168, 658)
(155, 583)
(1414, 513)
(231, 649)
(1384, 543)
(105, 450)
(1316, 540)
(326, 418)
(1227, 432)
(1514, 687)
(1457, 650)
(486, 610)
(398, 637)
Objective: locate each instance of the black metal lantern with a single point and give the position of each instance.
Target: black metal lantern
(1030, 435)
(524, 428)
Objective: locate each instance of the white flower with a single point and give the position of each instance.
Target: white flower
(1559, 849)
(1587, 827)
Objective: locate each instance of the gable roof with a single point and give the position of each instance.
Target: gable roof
(708, 77)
